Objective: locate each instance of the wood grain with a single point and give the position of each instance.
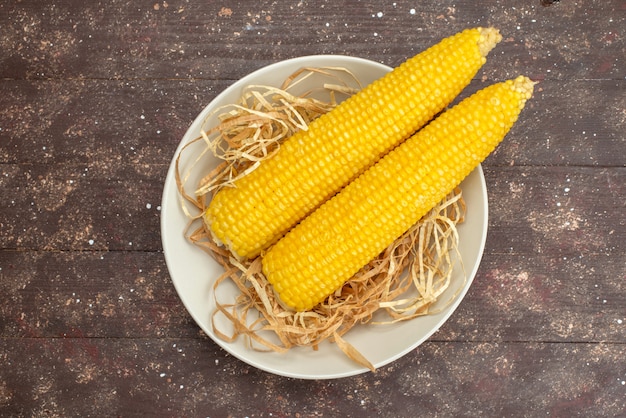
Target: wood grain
(185, 377)
(94, 99)
(124, 40)
(99, 122)
(60, 207)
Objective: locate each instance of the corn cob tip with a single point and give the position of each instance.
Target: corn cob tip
(524, 85)
(489, 37)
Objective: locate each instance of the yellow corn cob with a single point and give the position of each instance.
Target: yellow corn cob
(313, 165)
(329, 246)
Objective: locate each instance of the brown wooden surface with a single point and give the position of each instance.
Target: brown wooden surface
(94, 98)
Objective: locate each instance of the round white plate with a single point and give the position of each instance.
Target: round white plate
(193, 272)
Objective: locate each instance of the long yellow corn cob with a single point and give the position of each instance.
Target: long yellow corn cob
(329, 246)
(313, 165)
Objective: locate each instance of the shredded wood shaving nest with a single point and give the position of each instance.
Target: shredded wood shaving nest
(402, 283)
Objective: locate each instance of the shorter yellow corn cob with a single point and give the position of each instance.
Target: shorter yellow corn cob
(314, 164)
(329, 246)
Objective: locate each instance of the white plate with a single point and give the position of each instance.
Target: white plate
(193, 272)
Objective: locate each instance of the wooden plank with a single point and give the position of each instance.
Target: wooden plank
(89, 294)
(81, 207)
(192, 377)
(571, 212)
(76, 207)
(100, 123)
(515, 297)
(125, 40)
(520, 297)
(111, 125)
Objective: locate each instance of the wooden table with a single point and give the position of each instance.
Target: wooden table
(94, 99)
